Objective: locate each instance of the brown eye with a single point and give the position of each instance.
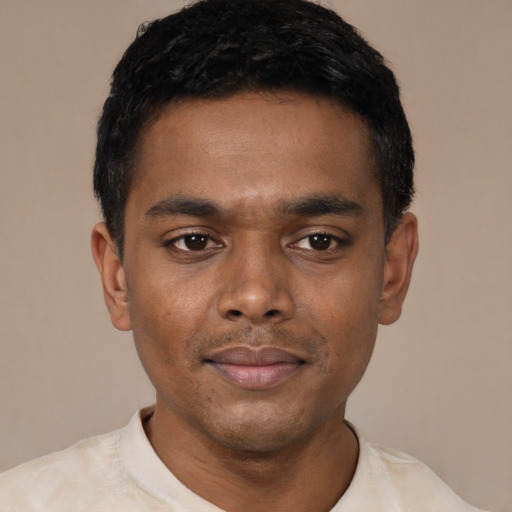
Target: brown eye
(195, 242)
(320, 242)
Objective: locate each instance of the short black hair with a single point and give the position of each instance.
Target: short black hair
(216, 48)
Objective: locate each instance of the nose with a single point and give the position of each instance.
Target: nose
(256, 289)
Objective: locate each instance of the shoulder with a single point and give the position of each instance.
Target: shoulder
(41, 480)
(388, 479)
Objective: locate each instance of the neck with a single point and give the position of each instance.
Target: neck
(309, 475)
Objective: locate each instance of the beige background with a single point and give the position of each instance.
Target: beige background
(440, 383)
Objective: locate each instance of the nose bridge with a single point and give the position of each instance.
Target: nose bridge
(255, 284)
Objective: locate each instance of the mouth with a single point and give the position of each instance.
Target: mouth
(255, 369)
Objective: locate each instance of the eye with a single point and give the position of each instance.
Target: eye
(319, 242)
(193, 242)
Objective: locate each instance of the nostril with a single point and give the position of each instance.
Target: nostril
(270, 315)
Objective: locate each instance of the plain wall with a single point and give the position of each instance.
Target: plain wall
(440, 383)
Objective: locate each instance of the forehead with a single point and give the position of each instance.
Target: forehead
(254, 149)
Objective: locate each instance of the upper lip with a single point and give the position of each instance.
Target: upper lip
(260, 356)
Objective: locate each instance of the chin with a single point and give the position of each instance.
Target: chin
(257, 441)
(256, 434)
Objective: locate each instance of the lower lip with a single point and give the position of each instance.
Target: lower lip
(256, 377)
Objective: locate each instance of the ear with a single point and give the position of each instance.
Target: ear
(401, 252)
(112, 275)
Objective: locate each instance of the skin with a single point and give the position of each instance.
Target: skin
(253, 223)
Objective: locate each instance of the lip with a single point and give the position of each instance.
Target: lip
(255, 369)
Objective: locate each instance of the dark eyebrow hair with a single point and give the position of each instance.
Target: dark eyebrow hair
(312, 206)
(308, 206)
(183, 206)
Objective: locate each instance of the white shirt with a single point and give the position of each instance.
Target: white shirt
(120, 472)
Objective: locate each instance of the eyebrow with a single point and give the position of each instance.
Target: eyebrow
(194, 207)
(308, 206)
(313, 206)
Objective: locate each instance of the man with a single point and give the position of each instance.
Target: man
(254, 168)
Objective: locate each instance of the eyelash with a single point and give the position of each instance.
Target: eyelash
(340, 242)
(174, 241)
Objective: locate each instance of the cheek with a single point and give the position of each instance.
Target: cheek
(345, 310)
(163, 318)
(346, 300)
(163, 300)
(170, 312)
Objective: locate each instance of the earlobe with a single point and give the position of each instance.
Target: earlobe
(112, 275)
(401, 252)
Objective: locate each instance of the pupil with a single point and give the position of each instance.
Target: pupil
(196, 242)
(320, 242)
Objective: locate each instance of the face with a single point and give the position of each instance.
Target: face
(254, 272)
